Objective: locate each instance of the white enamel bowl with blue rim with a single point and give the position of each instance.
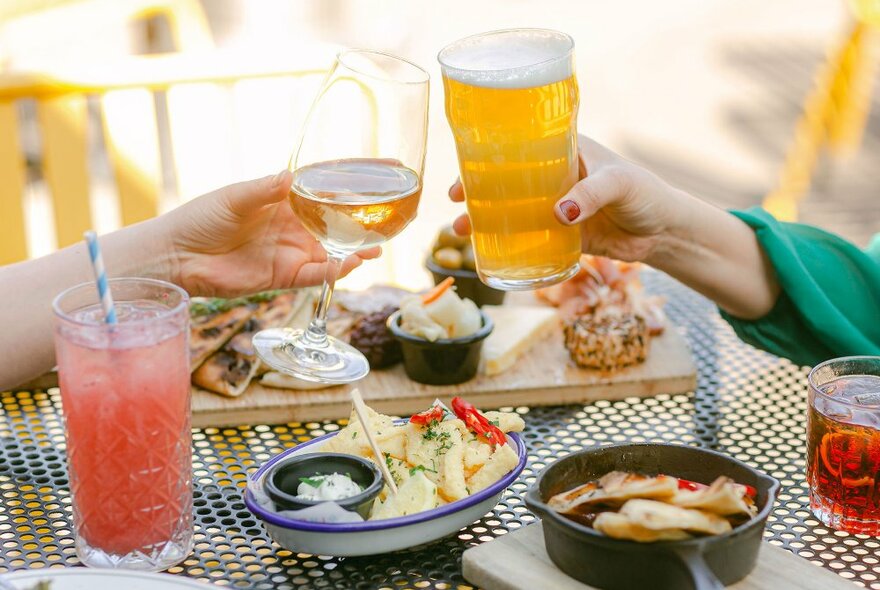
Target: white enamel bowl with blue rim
(379, 536)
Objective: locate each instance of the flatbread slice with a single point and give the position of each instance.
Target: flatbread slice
(209, 332)
(230, 370)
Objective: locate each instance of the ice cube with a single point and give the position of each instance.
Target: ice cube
(868, 399)
(833, 410)
(841, 414)
(828, 389)
(869, 419)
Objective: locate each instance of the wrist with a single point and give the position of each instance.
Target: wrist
(141, 250)
(678, 238)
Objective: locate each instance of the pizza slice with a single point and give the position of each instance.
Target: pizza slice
(230, 370)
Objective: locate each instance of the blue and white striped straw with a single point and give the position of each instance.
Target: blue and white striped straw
(101, 277)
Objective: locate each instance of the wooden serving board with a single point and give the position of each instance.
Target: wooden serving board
(519, 561)
(543, 376)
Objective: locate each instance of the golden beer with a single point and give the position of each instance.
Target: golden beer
(512, 101)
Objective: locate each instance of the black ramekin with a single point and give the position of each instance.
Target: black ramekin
(446, 361)
(282, 481)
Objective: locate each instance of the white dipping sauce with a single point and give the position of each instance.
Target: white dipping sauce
(334, 486)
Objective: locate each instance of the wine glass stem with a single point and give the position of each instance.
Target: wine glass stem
(316, 335)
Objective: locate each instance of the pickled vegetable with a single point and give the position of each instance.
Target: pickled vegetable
(449, 239)
(448, 258)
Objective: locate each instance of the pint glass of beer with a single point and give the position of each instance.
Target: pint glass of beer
(512, 101)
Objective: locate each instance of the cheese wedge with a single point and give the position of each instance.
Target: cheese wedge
(517, 329)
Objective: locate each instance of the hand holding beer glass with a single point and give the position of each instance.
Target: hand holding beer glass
(512, 101)
(357, 179)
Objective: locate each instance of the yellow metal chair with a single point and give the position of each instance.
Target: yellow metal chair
(835, 112)
(186, 110)
(189, 86)
(61, 110)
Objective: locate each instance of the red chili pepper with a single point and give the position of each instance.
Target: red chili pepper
(428, 416)
(477, 423)
(751, 492)
(686, 484)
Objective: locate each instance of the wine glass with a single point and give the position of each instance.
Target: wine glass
(357, 179)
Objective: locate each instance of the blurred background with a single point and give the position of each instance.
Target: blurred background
(114, 110)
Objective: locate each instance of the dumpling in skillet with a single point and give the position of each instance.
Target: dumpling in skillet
(614, 489)
(620, 526)
(724, 497)
(660, 516)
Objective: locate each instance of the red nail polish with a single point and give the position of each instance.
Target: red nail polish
(570, 209)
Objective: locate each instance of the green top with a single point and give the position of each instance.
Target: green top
(830, 301)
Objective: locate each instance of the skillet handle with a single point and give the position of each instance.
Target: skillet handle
(701, 576)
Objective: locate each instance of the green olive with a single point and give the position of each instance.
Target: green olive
(449, 239)
(467, 258)
(448, 258)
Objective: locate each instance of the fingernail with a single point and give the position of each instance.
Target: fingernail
(279, 177)
(570, 209)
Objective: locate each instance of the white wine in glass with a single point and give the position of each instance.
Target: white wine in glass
(357, 179)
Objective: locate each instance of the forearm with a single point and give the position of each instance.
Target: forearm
(718, 255)
(28, 288)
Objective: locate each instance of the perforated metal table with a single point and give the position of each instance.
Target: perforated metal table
(747, 403)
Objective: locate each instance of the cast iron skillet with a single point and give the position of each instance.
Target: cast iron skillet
(702, 563)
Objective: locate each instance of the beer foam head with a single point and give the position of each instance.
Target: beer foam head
(519, 58)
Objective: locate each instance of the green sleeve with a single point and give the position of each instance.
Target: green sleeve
(830, 301)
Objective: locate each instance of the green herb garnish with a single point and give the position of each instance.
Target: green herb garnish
(430, 433)
(417, 468)
(218, 304)
(445, 443)
(311, 481)
(495, 423)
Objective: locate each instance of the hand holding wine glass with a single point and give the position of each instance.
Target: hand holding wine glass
(357, 179)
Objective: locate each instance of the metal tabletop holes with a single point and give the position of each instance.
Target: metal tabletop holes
(748, 404)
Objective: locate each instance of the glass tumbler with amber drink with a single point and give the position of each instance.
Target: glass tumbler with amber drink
(843, 444)
(357, 179)
(512, 103)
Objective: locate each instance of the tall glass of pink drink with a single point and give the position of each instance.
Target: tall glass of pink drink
(126, 395)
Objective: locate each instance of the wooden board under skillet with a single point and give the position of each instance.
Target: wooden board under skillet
(519, 561)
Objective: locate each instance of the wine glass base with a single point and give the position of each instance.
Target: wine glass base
(286, 351)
